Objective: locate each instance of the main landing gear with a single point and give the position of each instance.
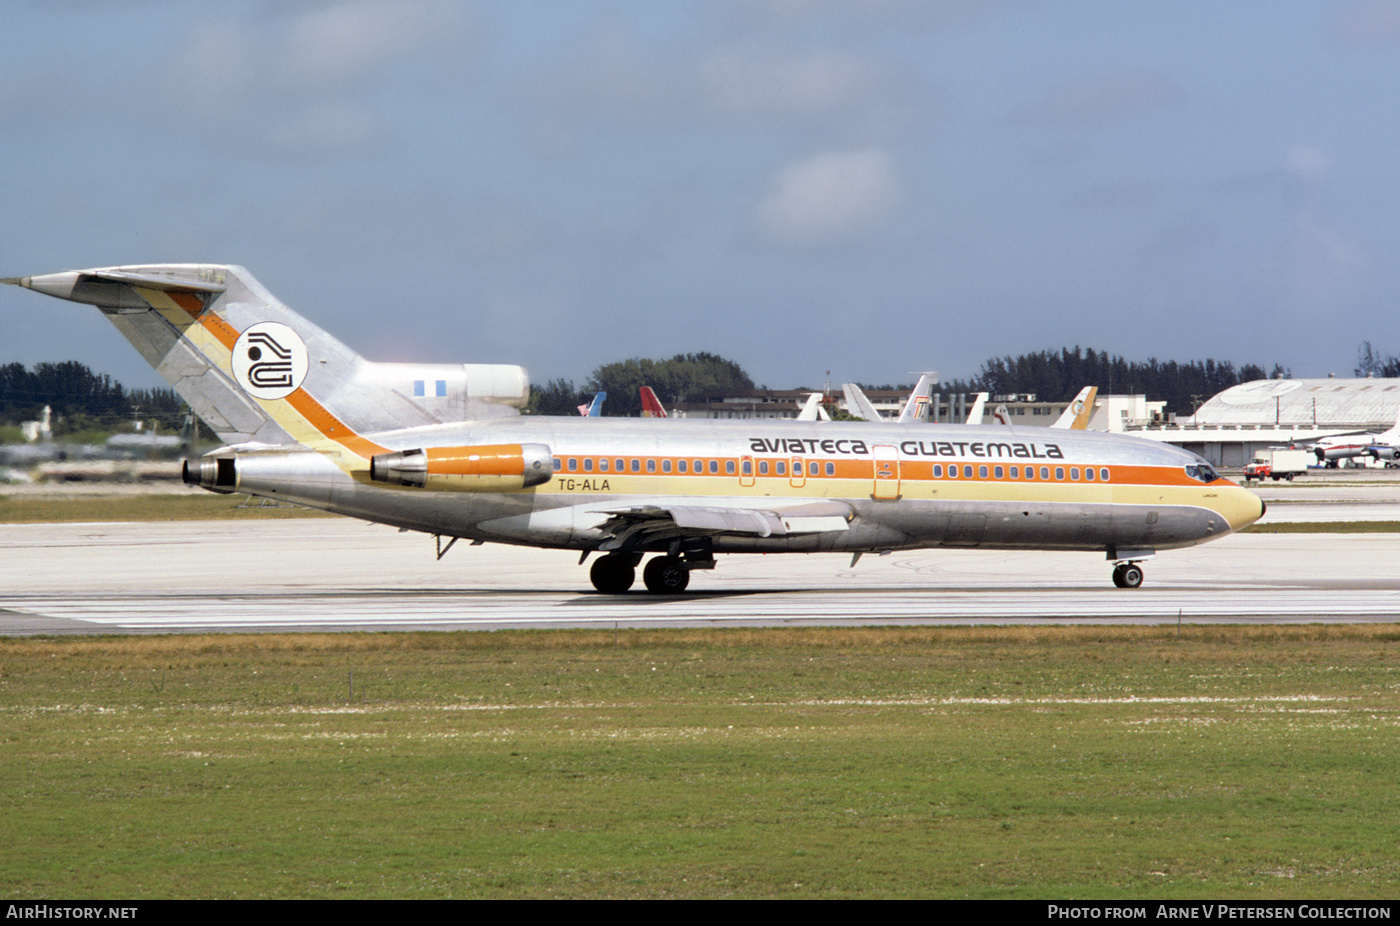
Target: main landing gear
(663, 575)
(1127, 575)
(613, 575)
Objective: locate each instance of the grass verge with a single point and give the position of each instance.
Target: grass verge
(1243, 762)
(153, 507)
(1323, 527)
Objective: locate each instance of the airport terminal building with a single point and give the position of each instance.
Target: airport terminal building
(1231, 426)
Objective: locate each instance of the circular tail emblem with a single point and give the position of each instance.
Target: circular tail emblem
(269, 360)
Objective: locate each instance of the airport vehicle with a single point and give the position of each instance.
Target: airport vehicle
(442, 449)
(1332, 450)
(1277, 463)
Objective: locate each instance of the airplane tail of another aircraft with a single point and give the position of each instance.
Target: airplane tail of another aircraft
(257, 372)
(651, 405)
(917, 407)
(974, 416)
(858, 404)
(594, 409)
(1077, 414)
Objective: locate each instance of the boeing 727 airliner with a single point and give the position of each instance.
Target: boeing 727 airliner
(443, 449)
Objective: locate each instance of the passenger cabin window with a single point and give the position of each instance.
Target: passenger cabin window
(588, 465)
(573, 464)
(681, 466)
(636, 465)
(729, 467)
(1103, 474)
(619, 461)
(665, 466)
(651, 466)
(602, 466)
(831, 469)
(937, 470)
(763, 467)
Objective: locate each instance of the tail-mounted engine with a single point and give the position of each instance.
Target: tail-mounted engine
(482, 468)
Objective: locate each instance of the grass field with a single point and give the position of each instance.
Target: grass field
(1048, 762)
(153, 507)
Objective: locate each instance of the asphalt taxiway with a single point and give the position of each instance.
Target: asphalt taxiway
(339, 574)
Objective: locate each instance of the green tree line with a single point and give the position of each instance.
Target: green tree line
(1057, 376)
(81, 399)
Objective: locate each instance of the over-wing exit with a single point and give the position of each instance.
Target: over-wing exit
(443, 449)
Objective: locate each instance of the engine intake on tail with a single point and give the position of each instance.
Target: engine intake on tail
(482, 468)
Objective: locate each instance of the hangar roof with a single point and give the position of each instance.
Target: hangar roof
(1326, 403)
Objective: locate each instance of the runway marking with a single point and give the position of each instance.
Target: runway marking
(478, 609)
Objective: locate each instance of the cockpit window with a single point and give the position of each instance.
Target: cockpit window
(1202, 471)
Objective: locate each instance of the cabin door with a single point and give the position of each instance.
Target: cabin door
(886, 471)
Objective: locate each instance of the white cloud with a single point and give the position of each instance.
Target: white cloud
(829, 198)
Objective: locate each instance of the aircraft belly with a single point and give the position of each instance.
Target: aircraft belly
(1063, 526)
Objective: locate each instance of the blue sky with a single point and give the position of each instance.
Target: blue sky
(870, 187)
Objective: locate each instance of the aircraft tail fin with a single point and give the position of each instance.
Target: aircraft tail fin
(917, 408)
(812, 409)
(651, 405)
(595, 408)
(1077, 414)
(255, 371)
(857, 403)
(978, 407)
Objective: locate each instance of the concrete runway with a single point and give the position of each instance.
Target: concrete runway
(340, 574)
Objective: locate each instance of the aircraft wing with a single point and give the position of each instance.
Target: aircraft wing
(647, 523)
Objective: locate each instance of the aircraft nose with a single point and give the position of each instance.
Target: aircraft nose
(1241, 508)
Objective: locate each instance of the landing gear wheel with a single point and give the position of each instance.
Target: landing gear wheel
(1127, 575)
(612, 575)
(666, 575)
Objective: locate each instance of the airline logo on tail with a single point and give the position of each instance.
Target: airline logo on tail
(269, 360)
